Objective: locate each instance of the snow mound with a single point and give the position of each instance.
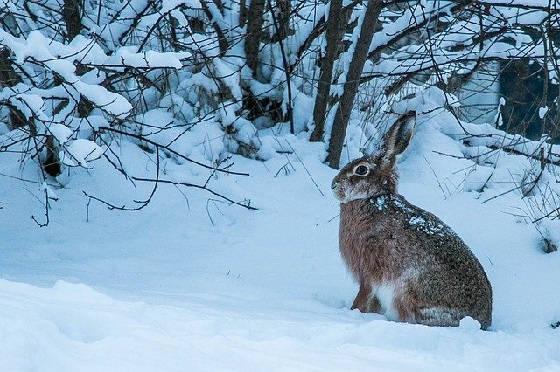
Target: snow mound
(71, 327)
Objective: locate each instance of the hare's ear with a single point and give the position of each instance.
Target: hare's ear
(397, 138)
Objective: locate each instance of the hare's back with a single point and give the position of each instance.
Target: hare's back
(419, 235)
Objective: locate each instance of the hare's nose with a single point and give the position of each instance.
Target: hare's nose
(334, 185)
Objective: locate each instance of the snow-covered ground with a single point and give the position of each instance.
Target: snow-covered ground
(198, 285)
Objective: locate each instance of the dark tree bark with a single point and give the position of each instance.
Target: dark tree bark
(254, 33)
(51, 165)
(219, 5)
(222, 40)
(333, 35)
(72, 18)
(281, 26)
(174, 40)
(242, 12)
(9, 78)
(338, 133)
(282, 10)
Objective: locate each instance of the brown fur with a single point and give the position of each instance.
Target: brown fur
(387, 242)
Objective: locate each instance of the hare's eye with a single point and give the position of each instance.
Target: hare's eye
(361, 170)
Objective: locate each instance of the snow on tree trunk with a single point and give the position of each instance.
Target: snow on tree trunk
(359, 56)
(254, 33)
(335, 26)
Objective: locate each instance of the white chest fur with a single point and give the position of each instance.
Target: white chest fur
(385, 293)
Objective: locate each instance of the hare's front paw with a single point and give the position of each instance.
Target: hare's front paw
(360, 304)
(361, 300)
(365, 301)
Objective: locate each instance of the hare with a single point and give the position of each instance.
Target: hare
(410, 265)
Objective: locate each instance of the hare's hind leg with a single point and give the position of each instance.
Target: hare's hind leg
(374, 306)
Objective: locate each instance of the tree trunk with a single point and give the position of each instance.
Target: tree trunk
(242, 12)
(333, 35)
(222, 40)
(346, 103)
(282, 11)
(72, 18)
(9, 78)
(254, 33)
